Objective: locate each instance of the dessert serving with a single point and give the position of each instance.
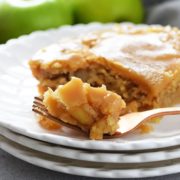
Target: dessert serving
(140, 63)
(95, 110)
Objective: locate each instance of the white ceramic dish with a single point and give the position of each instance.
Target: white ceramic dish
(104, 170)
(94, 156)
(18, 88)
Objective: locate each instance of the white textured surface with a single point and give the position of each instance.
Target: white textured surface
(89, 169)
(18, 88)
(92, 156)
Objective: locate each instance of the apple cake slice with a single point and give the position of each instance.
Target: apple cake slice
(141, 63)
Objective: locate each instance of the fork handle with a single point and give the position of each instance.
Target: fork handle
(131, 121)
(161, 112)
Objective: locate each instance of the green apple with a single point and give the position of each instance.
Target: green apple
(24, 16)
(109, 10)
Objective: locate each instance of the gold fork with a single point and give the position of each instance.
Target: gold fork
(127, 122)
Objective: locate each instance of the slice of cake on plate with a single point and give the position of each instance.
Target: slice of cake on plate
(140, 63)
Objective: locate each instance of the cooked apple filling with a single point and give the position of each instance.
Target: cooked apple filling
(93, 109)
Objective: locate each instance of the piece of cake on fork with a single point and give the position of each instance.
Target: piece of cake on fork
(94, 109)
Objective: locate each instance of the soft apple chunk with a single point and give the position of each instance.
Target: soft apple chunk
(95, 110)
(81, 115)
(73, 93)
(56, 108)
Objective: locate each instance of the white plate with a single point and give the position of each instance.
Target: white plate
(94, 156)
(104, 170)
(18, 88)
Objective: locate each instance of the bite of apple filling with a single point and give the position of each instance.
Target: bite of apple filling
(93, 109)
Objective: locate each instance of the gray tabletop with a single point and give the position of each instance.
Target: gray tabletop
(12, 168)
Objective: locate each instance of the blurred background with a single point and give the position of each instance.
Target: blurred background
(18, 17)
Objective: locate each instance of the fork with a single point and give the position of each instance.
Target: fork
(39, 108)
(127, 122)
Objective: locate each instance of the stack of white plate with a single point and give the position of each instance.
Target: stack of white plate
(134, 155)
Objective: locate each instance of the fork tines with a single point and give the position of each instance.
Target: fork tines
(39, 108)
